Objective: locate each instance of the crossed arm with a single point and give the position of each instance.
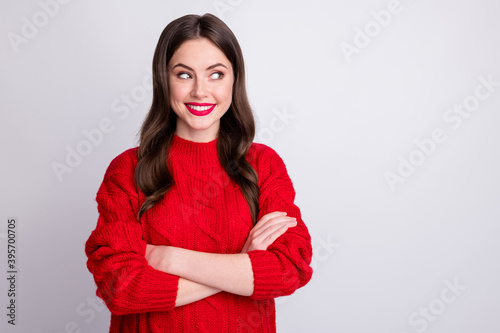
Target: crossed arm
(204, 274)
(134, 277)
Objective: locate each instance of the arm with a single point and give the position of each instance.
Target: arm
(124, 279)
(279, 260)
(190, 292)
(116, 252)
(228, 272)
(115, 249)
(285, 265)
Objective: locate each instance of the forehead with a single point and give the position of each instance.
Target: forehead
(199, 54)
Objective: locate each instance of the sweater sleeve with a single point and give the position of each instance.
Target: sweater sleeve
(116, 251)
(285, 265)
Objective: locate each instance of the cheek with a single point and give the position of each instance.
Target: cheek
(178, 93)
(226, 93)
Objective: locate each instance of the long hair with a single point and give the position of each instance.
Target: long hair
(153, 174)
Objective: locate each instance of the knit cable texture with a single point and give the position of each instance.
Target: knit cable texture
(204, 211)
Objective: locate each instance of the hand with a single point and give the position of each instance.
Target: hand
(267, 230)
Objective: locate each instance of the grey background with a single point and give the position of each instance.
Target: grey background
(382, 256)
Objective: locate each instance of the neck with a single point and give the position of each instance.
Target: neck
(196, 154)
(196, 135)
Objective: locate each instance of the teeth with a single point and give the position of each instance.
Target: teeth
(199, 108)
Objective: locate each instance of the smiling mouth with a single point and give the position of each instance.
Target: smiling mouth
(200, 109)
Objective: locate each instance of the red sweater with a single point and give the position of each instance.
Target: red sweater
(204, 211)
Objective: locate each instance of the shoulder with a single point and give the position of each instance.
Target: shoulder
(272, 174)
(120, 174)
(260, 153)
(125, 163)
(265, 160)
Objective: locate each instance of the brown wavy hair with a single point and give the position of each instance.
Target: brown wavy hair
(237, 127)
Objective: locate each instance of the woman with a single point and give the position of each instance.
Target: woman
(198, 230)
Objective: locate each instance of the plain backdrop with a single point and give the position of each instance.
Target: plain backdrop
(385, 112)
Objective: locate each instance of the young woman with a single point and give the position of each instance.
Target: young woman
(198, 230)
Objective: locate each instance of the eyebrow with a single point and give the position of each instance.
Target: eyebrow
(208, 68)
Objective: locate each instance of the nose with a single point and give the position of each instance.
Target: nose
(199, 89)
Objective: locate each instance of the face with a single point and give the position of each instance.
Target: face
(201, 81)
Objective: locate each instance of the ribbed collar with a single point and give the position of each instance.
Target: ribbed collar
(198, 154)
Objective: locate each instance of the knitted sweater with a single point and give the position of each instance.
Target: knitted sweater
(204, 211)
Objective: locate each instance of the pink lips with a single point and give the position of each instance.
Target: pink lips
(202, 112)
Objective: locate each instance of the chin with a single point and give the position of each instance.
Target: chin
(201, 126)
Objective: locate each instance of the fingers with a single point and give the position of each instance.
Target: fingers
(275, 222)
(267, 230)
(275, 234)
(270, 234)
(269, 216)
(276, 226)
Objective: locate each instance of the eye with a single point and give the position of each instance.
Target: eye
(217, 75)
(184, 75)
